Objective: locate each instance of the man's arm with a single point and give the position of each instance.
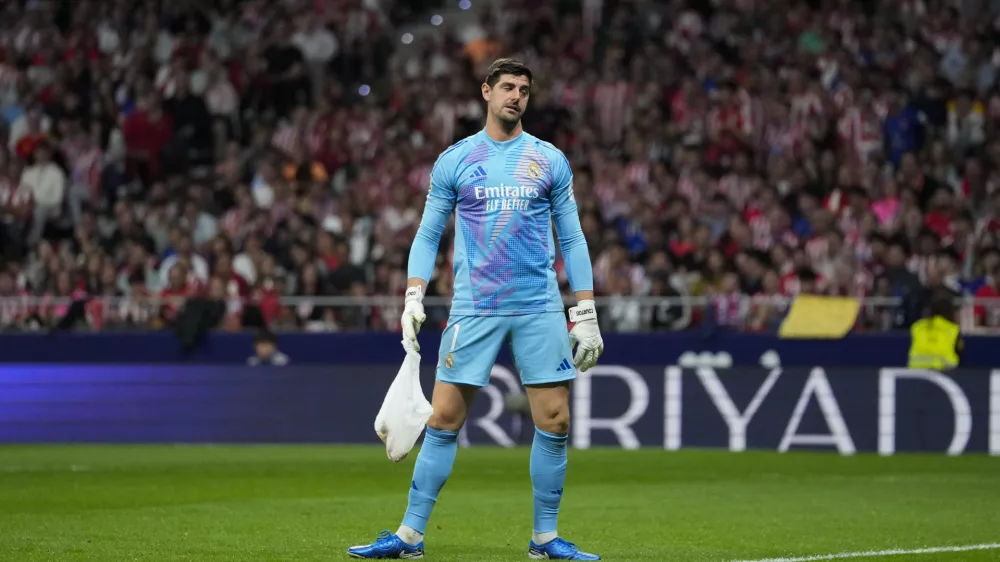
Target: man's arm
(423, 253)
(439, 206)
(576, 257)
(573, 244)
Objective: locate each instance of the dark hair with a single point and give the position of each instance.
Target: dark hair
(265, 336)
(966, 216)
(506, 66)
(898, 242)
(950, 253)
(943, 304)
(806, 274)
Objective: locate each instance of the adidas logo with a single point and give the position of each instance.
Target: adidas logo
(479, 172)
(564, 366)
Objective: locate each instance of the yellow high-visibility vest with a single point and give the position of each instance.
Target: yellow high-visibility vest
(932, 344)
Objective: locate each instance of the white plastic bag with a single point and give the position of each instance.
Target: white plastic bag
(405, 410)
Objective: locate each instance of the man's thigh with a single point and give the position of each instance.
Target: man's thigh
(469, 348)
(539, 344)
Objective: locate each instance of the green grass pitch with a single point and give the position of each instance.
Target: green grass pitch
(305, 503)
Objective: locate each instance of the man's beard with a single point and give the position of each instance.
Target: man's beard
(507, 121)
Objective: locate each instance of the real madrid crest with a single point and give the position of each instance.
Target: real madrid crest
(449, 361)
(535, 171)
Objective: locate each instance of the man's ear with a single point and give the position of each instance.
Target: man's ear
(486, 91)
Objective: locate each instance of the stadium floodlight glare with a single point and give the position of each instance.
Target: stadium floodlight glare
(407, 38)
(465, 4)
(436, 19)
(365, 89)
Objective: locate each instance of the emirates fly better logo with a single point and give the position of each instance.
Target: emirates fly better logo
(507, 197)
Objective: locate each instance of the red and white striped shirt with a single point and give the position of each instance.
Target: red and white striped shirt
(88, 166)
(737, 189)
(682, 110)
(15, 199)
(730, 310)
(805, 106)
(764, 235)
(784, 139)
(816, 248)
(445, 119)
(612, 101)
(605, 188)
(569, 95)
(861, 132)
(286, 138)
(10, 80)
(14, 308)
(317, 134)
(687, 187)
(233, 223)
(637, 172)
(419, 176)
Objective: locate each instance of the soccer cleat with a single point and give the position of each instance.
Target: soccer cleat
(558, 549)
(387, 547)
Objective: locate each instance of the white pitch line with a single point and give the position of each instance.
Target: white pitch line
(871, 553)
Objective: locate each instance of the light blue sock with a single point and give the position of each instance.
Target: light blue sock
(548, 473)
(431, 471)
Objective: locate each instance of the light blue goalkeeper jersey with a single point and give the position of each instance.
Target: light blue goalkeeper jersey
(505, 196)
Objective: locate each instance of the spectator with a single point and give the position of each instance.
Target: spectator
(988, 314)
(46, 182)
(904, 284)
(265, 349)
(729, 306)
(810, 157)
(28, 130)
(196, 270)
(318, 46)
(148, 133)
(768, 306)
(190, 120)
(287, 76)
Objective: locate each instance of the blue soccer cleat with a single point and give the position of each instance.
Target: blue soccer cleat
(387, 547)
(558, 549)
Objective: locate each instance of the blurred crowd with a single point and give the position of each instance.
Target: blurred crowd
(736, 151)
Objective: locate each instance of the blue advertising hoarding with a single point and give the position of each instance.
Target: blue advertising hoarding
(345, 348)
(841, 409)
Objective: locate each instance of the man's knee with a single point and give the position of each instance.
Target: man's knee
(447, 419)
(554, 419)
(451, 406)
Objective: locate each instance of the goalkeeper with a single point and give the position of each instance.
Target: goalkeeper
(506, 188)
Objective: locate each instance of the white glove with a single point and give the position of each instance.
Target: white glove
(586, 334)
(413, 315)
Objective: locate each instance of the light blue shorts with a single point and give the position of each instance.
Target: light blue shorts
(539, 344)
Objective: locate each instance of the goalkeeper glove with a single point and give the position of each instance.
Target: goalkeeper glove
(413, 315)
(586, 335)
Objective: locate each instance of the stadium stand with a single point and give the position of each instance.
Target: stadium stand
(267, 159)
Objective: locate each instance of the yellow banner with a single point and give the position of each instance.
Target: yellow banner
(820, 317)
